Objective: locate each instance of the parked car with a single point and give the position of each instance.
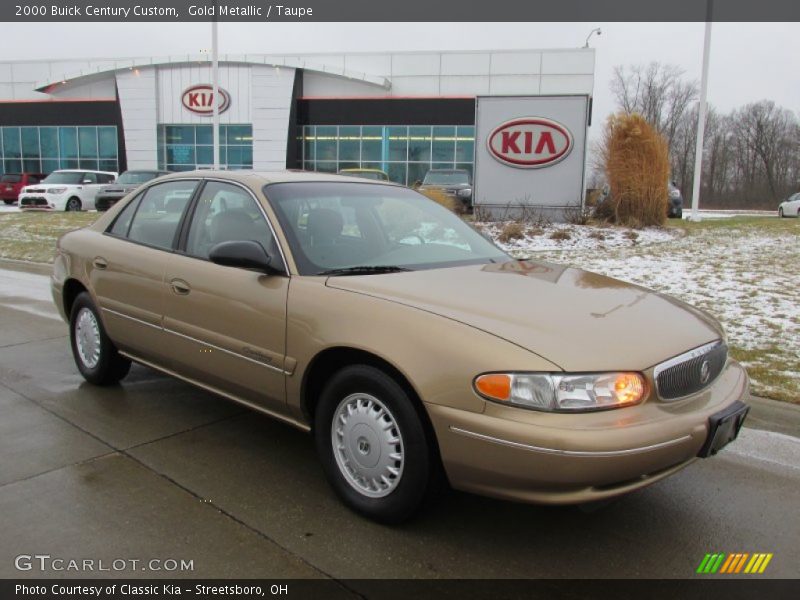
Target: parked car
(67, 189)
(675, 199)
(12, 183)
(329, 304)
(456, 182)
(373, 174)
(790, 207)
(125, 183)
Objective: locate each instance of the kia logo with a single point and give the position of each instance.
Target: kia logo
(200, 100)
(530, 142)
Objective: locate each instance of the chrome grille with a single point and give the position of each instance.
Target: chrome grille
(690, 372)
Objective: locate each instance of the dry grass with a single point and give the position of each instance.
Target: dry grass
(560, 235)
(636, 160)
(512, 231)
(32, 235)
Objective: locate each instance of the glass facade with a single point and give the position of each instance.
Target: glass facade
(46, 149)
(189, 147)
(406, 153)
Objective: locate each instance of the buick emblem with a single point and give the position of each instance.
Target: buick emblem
(705, 372)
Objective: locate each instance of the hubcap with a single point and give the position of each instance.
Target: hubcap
(72, 205)
(87, 338)
(368, 445)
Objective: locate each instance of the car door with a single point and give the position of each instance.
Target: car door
(127, 268)
(227, 325)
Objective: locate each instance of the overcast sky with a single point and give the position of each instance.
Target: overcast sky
(749, 61)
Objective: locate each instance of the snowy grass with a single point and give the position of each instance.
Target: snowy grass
(32, 236)
(743, 270)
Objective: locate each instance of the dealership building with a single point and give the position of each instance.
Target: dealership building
(404, 113)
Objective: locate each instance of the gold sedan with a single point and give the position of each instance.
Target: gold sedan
(413, 349)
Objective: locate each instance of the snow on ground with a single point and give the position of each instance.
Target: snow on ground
(745, 275)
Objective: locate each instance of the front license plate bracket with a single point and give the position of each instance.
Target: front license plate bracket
(723, 428)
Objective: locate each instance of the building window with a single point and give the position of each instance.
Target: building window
(190, 147)
(404, 153)
(47, 149)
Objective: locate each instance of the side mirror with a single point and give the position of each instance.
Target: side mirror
(242, 254)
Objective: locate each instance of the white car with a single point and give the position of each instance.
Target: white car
(68, 189)
(790, 207)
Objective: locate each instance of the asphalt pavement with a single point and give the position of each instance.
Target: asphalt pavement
(157, 469)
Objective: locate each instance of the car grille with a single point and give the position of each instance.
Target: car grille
(36, 191)
(33, 202)
(690, 372)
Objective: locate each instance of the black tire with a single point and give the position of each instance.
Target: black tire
(679, 214)
(8, 201)
(73, 205)
(780, 212)
(418, 478)
(111, 366)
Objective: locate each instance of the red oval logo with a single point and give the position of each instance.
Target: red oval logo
(530, 142)
(200, 100)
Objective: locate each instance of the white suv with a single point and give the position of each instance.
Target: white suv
(68, 189)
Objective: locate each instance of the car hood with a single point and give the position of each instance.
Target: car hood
(578, 320)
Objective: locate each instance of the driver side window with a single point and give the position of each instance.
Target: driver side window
(227, 213)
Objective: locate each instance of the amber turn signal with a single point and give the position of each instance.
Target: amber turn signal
(494, 385)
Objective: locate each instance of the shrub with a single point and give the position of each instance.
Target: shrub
(444, 199)
(560, 235)
(511, 231)
(636, 160)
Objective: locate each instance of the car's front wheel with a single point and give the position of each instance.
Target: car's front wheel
(373, 445)
(95, 354)
(73, 204)
(780, 212)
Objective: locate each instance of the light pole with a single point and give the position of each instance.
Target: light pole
(597, 31)
(701, 116)
(215, 86)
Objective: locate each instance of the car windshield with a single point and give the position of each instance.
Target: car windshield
(11, 178)
(445, 177)
(68, 177)
(132, 177)
(331, 225)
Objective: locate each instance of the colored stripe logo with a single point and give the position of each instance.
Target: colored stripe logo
(735, 563)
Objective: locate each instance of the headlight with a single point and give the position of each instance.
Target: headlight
(56, 190)
(465, 192)
(557, 392)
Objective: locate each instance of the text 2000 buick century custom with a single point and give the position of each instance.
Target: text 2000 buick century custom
(410, 346)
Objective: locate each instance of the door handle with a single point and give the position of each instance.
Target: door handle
(179, 286)
(100, 263)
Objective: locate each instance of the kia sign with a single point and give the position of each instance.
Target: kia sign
(530, 153)
(530, 142)
(199, 99)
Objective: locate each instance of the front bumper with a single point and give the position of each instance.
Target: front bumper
(105, 201)
(557, 458)
(41, 202)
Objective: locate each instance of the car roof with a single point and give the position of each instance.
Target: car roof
(84, 171)
(265, 177)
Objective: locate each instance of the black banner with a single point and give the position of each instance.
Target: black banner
(394, 11)
(733, 588)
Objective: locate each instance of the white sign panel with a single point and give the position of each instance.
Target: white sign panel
(530, 151)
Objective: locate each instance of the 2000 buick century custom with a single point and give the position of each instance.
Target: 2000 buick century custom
(410, 346)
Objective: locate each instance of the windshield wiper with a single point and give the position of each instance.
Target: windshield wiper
(364, 270)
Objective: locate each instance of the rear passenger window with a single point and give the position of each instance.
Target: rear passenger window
(123, 221)
(160, 212)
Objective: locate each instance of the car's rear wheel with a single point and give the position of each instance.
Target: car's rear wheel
(95, 355)
(373, 445)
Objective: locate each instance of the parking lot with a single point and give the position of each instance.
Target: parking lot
(156, 469)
